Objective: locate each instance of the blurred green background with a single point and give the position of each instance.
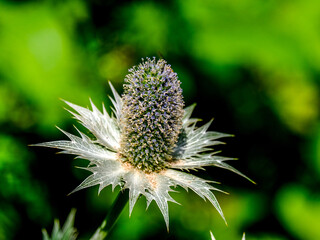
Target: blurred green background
(252, 65)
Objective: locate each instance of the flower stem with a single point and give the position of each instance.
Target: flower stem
(116, 209)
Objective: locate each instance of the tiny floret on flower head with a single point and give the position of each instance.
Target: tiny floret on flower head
(148, 142)
(151, 115)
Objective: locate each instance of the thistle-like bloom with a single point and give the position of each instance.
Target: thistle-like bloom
(147, 141)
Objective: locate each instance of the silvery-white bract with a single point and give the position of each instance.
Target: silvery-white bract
(148, 141)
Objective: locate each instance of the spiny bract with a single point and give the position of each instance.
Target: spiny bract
(147, 141)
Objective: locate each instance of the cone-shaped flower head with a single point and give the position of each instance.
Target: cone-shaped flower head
(151, 117)
(148, 141)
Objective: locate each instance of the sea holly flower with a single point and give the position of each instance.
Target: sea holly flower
(148, 142)
(68, 231)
